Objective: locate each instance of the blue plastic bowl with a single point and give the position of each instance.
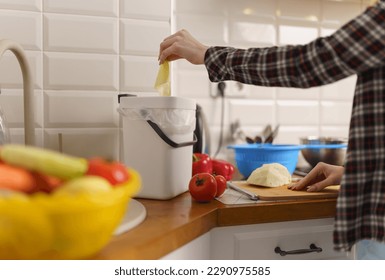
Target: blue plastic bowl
(248, 157)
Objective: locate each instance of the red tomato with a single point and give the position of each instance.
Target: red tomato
(201, 164)
(46, 183)
(203, 187)
(222, 167)
(221, 185)
(115, 172)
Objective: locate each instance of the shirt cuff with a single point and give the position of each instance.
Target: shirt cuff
(215, 62)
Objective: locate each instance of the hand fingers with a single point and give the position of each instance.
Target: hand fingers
(170, 54)
(297, 185)
(319, 185)
(313, 185)
(309, 179)
(180, 33)
(309, 187)
(166, 50)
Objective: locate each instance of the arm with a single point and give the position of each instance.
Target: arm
(354, 48)
(321, 176)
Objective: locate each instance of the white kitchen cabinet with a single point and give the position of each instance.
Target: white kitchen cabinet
(198, 249)
(259, 241)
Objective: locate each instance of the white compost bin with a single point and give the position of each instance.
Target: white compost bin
(158, 138)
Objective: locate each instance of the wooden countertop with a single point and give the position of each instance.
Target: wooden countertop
(172, 223)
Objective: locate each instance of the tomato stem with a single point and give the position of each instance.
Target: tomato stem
(195, 158)
(200, 181)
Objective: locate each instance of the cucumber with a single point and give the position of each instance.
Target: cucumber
(45, 161)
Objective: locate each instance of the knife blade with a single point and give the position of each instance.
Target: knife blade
(252, 196)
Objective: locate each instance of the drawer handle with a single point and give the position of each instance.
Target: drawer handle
(313, 248)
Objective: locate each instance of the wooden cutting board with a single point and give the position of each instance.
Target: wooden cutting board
(283, 193)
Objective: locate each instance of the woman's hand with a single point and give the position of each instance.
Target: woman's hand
(321, 176)
(182, 45)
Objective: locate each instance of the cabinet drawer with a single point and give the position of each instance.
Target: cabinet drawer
(262, 241)
(266, 244)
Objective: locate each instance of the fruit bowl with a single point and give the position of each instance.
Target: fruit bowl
(65, 226)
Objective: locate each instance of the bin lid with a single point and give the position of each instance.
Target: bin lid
(157, 102)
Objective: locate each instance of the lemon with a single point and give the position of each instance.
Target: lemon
(84, 185)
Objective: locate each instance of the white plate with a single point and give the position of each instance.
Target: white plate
(135, 214)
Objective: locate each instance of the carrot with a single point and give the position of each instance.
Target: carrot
(16, 178)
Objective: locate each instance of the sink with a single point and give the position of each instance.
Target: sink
(135, 214)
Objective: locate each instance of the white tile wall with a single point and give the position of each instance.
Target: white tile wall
(80, 71)
(87, 142)
(22, 27)
(298, 94)
(80, 109)
(338, 13)
(245, 33)
(10, 70)
(83, 53)
(197, 81)
(31, 5)
(13, 109)
(214, 27)
(253, 8)
(214, 7)
(83, 34)
(138, 73)
(294, 32)
(148, 34)
(84, 7)
(252, 112)
(309, 10)
(146, 9)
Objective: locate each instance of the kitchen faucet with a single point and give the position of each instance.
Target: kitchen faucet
(29, 116)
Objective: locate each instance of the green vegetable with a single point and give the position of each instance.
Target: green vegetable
(48, 162)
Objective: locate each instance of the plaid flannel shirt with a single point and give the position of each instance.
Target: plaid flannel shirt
(357, 48)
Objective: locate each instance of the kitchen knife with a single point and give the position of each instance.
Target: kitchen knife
(252, 196)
